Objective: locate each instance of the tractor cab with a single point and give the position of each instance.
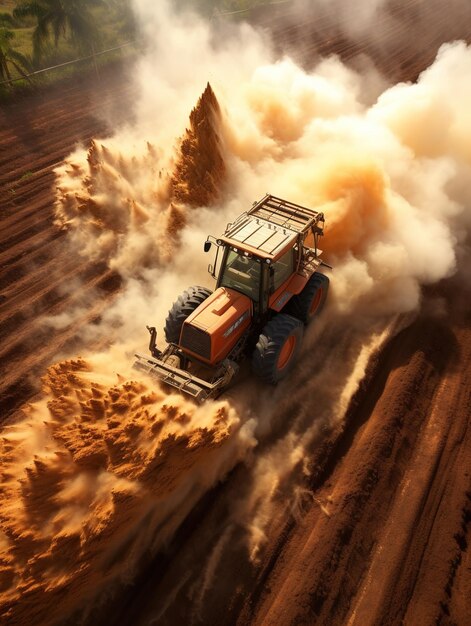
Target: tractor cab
(256, 277)
(268, 253)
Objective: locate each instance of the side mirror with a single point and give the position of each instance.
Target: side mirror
(207, 246)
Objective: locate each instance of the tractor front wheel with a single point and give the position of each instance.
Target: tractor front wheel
(188, 302)
(277, 348)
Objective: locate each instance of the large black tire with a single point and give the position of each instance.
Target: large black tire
(188, 302)
(277, 348)
(309, 303)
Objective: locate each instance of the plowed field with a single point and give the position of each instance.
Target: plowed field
(383, 536)
(36, 134)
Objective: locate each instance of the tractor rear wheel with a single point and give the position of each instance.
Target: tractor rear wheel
(277, 348)
(184, 306)
(310, 301)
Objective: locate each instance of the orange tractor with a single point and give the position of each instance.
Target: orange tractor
(268, 287)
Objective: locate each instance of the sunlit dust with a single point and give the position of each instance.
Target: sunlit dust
(103, 469)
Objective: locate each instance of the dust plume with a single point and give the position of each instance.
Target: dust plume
(110, 465)
(199, 172)
(96, 476)
(126, 203)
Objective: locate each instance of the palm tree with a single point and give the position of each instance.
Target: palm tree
(59, 18)
(10, 58)
(124, 13)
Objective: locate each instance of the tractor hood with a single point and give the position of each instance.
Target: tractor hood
(213, 329)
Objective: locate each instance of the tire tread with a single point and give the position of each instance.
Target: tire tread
(182, 308)
(299, 305)
(271, 340)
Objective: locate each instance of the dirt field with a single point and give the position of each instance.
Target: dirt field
(382, 537)
(36, 134)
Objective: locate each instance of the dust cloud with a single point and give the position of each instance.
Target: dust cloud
(96, 475)
(104, 469)
(128, 207)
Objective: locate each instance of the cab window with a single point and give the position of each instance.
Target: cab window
(281, 270)
(242, 273)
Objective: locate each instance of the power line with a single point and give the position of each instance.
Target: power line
(54, 67)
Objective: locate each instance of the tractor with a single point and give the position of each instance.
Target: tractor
(268, 287)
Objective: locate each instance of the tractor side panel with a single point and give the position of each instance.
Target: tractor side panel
(225, 337)
(294, 285)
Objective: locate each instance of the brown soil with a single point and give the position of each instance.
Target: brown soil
(36, 134)
(388, 541)
(382, 538)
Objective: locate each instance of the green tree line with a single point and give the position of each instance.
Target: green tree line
(76, 25)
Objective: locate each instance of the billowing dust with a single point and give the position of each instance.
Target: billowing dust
(129, 208)
(95, 476)
(98, 472)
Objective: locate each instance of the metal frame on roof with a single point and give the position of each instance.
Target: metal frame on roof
(271, 225)
(285, 214)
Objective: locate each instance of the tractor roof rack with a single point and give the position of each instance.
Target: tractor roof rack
(285, 214)
(270, 226)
